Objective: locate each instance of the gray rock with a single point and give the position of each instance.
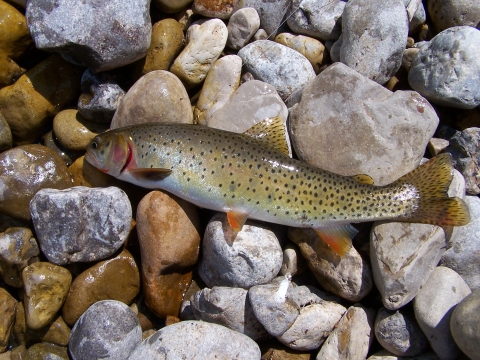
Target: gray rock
(284, 68)
(447, 70)
(6, 140)
(418, 18)
(386, 355)
(242, 25)
(374, 36)
(108, 329)
(101, 96)
(229, 307)
(271, 13)
(391, 130)
(196, 340)
(319, 19)
(463, 255)
(449, 13)
(465, 325)
(235, 260)
(399, 333)
(433, 307)
(17, 248)
(80, 224)
(99, 35)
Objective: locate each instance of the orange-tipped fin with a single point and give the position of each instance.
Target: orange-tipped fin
(339, 238)
(236, 219)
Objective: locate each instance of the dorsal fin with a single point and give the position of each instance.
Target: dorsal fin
(271, 132)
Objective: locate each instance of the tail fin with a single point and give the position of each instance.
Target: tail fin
(432, 180)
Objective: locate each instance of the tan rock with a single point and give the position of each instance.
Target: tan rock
(20, 325)
(168, 233)
(171, 6)
(57, 333)
(46, 287)
(10, 71)
(45, 350)
(8, 305)
(277, 351)
(5, 133)
(113, 279)
(309, 47)
(19, 353)
(85, 174)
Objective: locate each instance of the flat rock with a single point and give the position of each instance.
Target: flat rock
(445, 14)
(8, 305)
(100, 36)
(80, 224)
(108, 329)
(446, 70)
(199, 340)
(242, 25)
(391, 133)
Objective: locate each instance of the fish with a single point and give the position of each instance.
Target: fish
(251, 175)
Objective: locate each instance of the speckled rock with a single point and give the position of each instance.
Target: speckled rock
(243, 24)
(17, 248)
(199, 340)
(271, 12)
(221, 9)
(6, 141)
(158, 96)
(108, 329)
(168, 234)
(42, 351)
(24, 170)
(284, 68)
(114, 279)
(99, 36)
(30, 103)
(205, 43)
(390, 128)
(446, 69)
(309, 47)
(449, 13)
(231, 259)
(46, 287)
(80, 224)
(8, 305)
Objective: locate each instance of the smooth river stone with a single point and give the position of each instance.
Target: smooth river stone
(271, 12)
(243, 24)
(309, 47)
(445, 14)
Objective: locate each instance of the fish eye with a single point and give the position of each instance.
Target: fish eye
(94, 145)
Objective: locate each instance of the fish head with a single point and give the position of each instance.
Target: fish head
(109, 152)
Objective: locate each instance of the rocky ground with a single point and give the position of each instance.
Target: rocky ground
(91, 266)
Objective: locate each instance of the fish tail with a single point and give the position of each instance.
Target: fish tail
(432, 180)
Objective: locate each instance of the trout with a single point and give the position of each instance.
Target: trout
(250, 175)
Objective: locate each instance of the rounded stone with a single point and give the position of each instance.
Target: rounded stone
(272, 13)
(449, 13)
(309, 47)
(242, 25)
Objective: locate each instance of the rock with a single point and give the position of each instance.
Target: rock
(205, 43)
(390, 128)
(348, 277)
(311, 48)
(114, 279)
(462, 256)
(46, 287)
(260, 35)
(243, 24)
(271, 13)
(408, 57)
(80, 224)
(221, 9)
(433, 307)
(386, 355)
(17, 248)
(99, 36)
(464, 325)
(290, 259)
(220, 84)
(171, 6)
(233, 260)
(352, 336)
(284, 68)
(416, 15)
(446, 69)
(319, 19)
(399, 333)
(42, 351)
(6, 141)
(197, 339)
(57, 333)
(437, 146)
(158, 96)
(448, 13)
(108, 329)
(229, 307)
(167, 42)
(100, 98)
(374, 36)
(169, 239)
(68, 156)
(24, 170)
(8, 305)
(29, 104)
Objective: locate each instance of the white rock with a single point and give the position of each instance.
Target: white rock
(242, 25)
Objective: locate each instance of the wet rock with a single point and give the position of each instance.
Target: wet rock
(17, 248)
(100, 36)
(374, 35)
(231, 259)
(284, 68)
(243, 24)
(349, 277)
(446, 69)
(188, 339)
(221, 9)
(45, 350)
(100, 98)
(114, 279)
(168, 233)
(46, 287)
(205, 43)
(68, 156)
(8, 305)
(433, 307)
(271, 13)
(158, 96)
(30, 103)
(80, 224)
(449, 13)
(108, 329)
(352, 336)
(311, 48)
(24, 170)
(57, 333)
(390, 128)
(6, 141)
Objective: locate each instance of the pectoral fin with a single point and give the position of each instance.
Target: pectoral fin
(339, 238)
(236, 219)
(150, 174)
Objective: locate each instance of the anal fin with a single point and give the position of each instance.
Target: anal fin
(339, 237)
(236, 219)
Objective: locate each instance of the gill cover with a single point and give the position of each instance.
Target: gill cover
(109, 152)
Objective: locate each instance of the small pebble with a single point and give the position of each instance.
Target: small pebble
(437, 146)
(242, 26)
(171, 6)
